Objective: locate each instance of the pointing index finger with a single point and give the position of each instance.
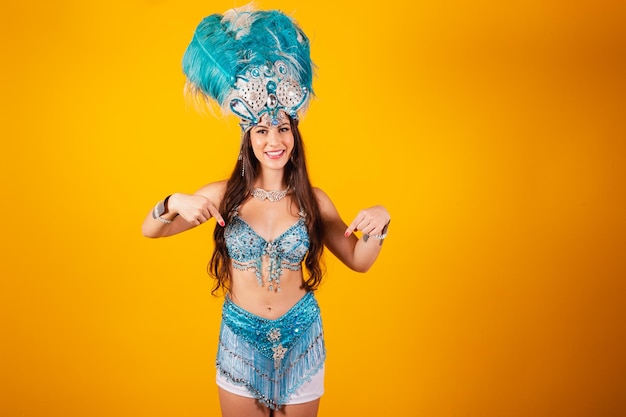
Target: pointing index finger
(215, 213)
(353, 226)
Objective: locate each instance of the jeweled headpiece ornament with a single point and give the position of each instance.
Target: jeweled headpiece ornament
(252, 63)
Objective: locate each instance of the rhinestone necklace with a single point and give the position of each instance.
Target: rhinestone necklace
(272, 196)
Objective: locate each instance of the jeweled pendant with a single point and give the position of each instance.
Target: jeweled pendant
(272, 196)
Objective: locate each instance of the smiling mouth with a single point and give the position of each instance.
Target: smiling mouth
(275, 154)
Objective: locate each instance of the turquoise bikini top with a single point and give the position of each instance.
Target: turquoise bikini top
(246, 249)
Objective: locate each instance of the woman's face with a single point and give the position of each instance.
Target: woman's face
(272, 145)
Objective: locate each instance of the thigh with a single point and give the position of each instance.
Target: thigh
(299, 410)
(233, 405)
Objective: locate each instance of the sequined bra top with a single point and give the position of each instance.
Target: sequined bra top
(247, 249)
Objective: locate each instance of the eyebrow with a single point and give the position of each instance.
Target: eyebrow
(259, 126)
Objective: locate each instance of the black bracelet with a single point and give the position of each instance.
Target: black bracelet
(161, 208)
(379, 237)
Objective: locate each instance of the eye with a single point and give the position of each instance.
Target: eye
(284, 129)
(261, 131)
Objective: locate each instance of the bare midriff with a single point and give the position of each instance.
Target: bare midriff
(248, 294)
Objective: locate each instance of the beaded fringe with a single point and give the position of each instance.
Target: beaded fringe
(272, 377)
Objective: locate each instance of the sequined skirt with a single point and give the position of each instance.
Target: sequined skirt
(271, 358)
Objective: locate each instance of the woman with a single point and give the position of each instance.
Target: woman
(270, 220)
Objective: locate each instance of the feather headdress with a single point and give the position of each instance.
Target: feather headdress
(252, 63)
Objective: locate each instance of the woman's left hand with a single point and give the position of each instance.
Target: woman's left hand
(370, 221)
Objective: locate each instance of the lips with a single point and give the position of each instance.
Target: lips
(275, 154)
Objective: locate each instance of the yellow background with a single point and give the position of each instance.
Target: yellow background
(491, 130)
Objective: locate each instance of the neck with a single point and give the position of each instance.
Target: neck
(270, 181)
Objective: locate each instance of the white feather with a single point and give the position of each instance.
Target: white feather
(240, 19)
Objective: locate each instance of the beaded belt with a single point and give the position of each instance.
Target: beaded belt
(271, 358)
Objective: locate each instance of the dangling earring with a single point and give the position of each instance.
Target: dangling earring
(240, 158)
(241, 144)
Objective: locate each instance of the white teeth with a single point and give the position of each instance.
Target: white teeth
(274, 153)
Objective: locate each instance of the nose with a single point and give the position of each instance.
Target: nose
(273, 138)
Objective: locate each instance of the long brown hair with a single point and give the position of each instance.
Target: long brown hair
(238, 190)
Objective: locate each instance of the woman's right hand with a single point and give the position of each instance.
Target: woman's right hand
(193, 208)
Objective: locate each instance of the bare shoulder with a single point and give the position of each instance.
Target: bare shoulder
(214, 191)
(321, 197)
(324, 202)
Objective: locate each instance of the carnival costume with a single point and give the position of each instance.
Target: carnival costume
(256, 65)
(252, 63)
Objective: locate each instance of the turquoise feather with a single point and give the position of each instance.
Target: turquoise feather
(226, 46)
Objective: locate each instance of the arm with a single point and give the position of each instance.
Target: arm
(357, 254)
(185, 211)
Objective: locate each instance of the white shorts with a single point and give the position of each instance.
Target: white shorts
(309, 391)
